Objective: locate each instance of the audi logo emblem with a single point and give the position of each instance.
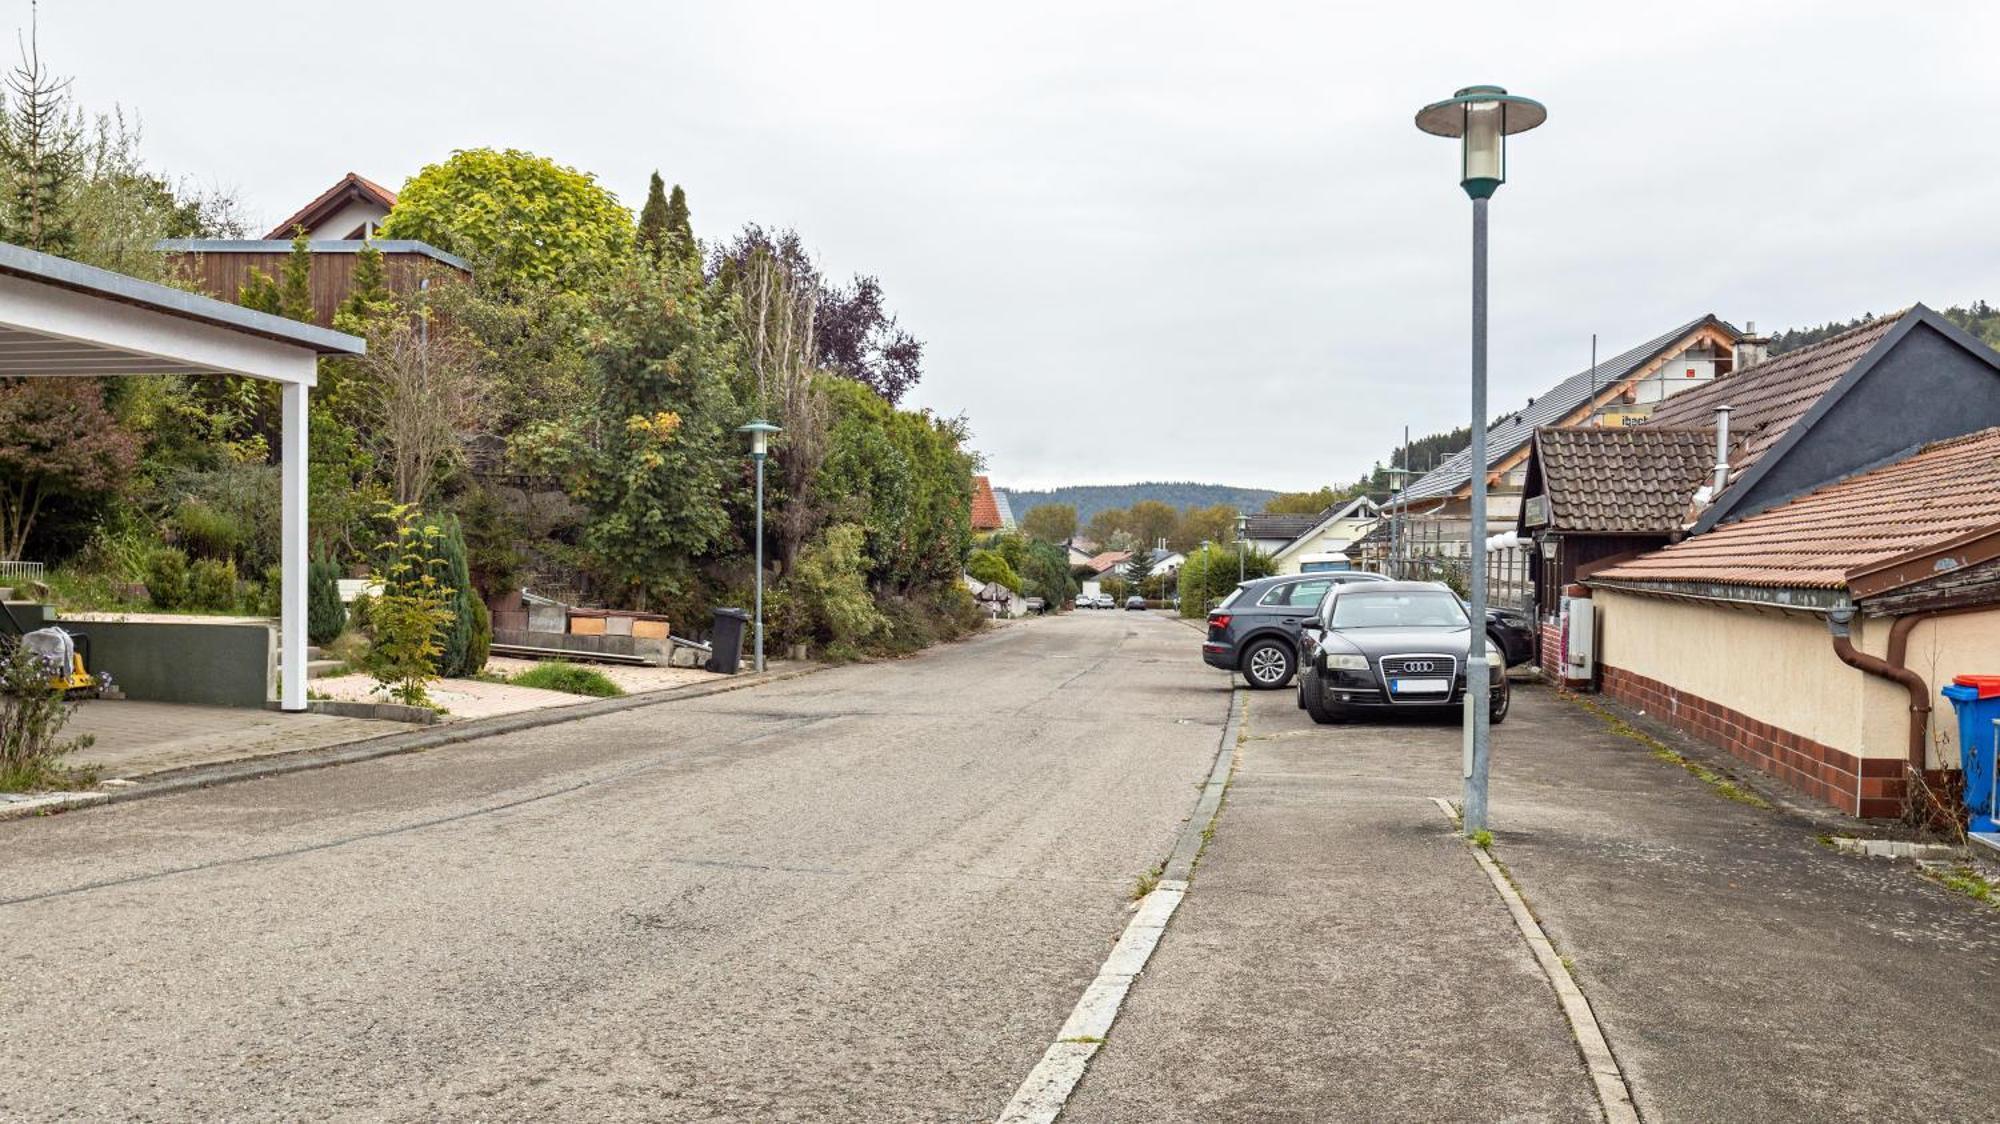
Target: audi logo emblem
(1420, 665)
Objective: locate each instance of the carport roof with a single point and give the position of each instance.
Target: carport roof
(53, 353)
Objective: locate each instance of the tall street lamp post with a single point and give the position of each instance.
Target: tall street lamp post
(1481, 118)
(760, 432)
(1242, 526)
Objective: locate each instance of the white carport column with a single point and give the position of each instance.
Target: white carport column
(292, 609)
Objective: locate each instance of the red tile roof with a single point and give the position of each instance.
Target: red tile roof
(1944, 491)
(985, 509)
(1623, 480)
(1108, 559)
(351, 186)
(1767, 399)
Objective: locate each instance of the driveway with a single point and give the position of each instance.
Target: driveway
(872, 893)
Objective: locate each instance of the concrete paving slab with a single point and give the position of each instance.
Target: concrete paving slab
(1741, 968)
(1340, 956)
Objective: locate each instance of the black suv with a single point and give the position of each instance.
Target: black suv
(1256, 628)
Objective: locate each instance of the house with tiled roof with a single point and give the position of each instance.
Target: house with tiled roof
(1595, 494)
(1858, 399)
(351, 209)
(1810, 638)
(1626, 389)
(985, 508)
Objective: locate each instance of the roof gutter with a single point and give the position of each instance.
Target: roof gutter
(1801, 599)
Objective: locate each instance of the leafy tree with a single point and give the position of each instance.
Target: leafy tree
(1149, 521)
(1301, 503)
(1050, 522)
(56, 440)
(523, 219)
(906, 479)
(409, 619)
(855, 336)
(990, 566)
(1208, 575)
(1216, 523)
(652, 458)
(1109, 527)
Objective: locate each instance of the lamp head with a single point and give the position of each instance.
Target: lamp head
(1481, 117)
(760, 432)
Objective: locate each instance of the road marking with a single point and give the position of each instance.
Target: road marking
(1048, 1086)
(1614, 1093)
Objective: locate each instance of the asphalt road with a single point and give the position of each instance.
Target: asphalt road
(869, 894)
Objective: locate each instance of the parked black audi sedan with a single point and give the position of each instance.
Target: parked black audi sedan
(1391, 646)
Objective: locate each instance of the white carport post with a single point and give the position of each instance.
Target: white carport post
(292, 611)
(60, 318)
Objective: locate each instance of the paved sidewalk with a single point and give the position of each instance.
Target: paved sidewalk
(1341, 956)
(1742, 970)
(135, 739)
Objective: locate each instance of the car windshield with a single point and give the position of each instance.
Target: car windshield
(1423, 608)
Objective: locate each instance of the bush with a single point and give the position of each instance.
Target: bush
(991, 566)
(32, 715)
(1210, 573)
(481, 645)
(167, 578)
(456, 579)
(413, 611)
(207, 532)
(358, 613)
(212, 585)
(568, 678)
(326, 617)
(826, 599)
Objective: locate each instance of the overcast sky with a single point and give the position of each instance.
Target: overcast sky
(1160, 241)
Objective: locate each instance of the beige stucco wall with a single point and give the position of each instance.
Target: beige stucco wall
(1776, 667)
(1336, 536)
(1940, 649)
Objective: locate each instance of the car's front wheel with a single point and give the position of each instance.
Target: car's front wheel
(1267, 665)
(1500, 704)
(1316, 706)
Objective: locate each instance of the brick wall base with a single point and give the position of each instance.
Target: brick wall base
(1551, 648)
(1870, 787)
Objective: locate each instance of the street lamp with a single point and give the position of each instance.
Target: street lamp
(1481, 117)
(760, 432)
(1242, 526)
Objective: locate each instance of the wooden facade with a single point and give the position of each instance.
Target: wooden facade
(221, 269)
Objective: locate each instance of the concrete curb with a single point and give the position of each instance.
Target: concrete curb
(385, 745)
(1046, 1090)
(1614, 1093)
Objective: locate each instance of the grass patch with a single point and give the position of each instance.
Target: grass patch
(1720, 783)
(1084, 1040)
(1483, 839)
(568, 678)
(1965, 880)
(1146, 883)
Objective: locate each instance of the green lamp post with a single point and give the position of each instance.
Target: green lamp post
(1481, 118)
(760, 432)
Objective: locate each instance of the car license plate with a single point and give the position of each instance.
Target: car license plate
(1420, 686)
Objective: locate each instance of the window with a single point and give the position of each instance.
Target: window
(1297, 595)
(1424, 608)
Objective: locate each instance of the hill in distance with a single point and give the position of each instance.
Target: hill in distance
(1093, 498)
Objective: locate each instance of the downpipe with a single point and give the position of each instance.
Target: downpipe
(1840, 622)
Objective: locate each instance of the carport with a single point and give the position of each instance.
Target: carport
(60, 318)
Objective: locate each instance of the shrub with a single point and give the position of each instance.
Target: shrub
(481, 646)
(359, 613)
(326, 617)
(207, 532)
(991, 566)
(568, 678)
(411, 615)
(455, 578)
(212, 585)
(827, 594)
(167, 578)
(33, 713)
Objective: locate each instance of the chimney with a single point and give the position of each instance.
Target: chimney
(1751, 348)
(1721, 448)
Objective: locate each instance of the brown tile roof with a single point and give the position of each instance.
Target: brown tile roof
(1623, 480)
(351, 186)
(1766, 400)
(1108, 559)
(985, 509)
(1946, 490)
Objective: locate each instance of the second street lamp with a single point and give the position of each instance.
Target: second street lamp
(1481, 118)
(760, 432)
(1242, 525)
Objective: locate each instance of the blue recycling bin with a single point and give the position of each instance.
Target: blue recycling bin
(1976, 699)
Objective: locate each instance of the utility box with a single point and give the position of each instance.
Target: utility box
(1579, 640)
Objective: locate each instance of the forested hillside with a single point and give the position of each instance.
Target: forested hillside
(1979, 318)
(1089, 499)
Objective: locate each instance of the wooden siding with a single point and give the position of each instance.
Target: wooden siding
(223, 275)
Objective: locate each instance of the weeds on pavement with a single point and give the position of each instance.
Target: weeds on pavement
(1722, 784)
(1962, 879)
(1147, 882)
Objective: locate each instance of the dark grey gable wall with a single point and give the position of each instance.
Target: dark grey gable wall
(1925, 388)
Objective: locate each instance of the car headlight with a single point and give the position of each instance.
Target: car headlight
(1347, 663)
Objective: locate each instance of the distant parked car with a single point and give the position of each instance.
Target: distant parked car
(1132, 603)
(1036, 606)
(1104, 601)
(1256, 628)
(1391, 646)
